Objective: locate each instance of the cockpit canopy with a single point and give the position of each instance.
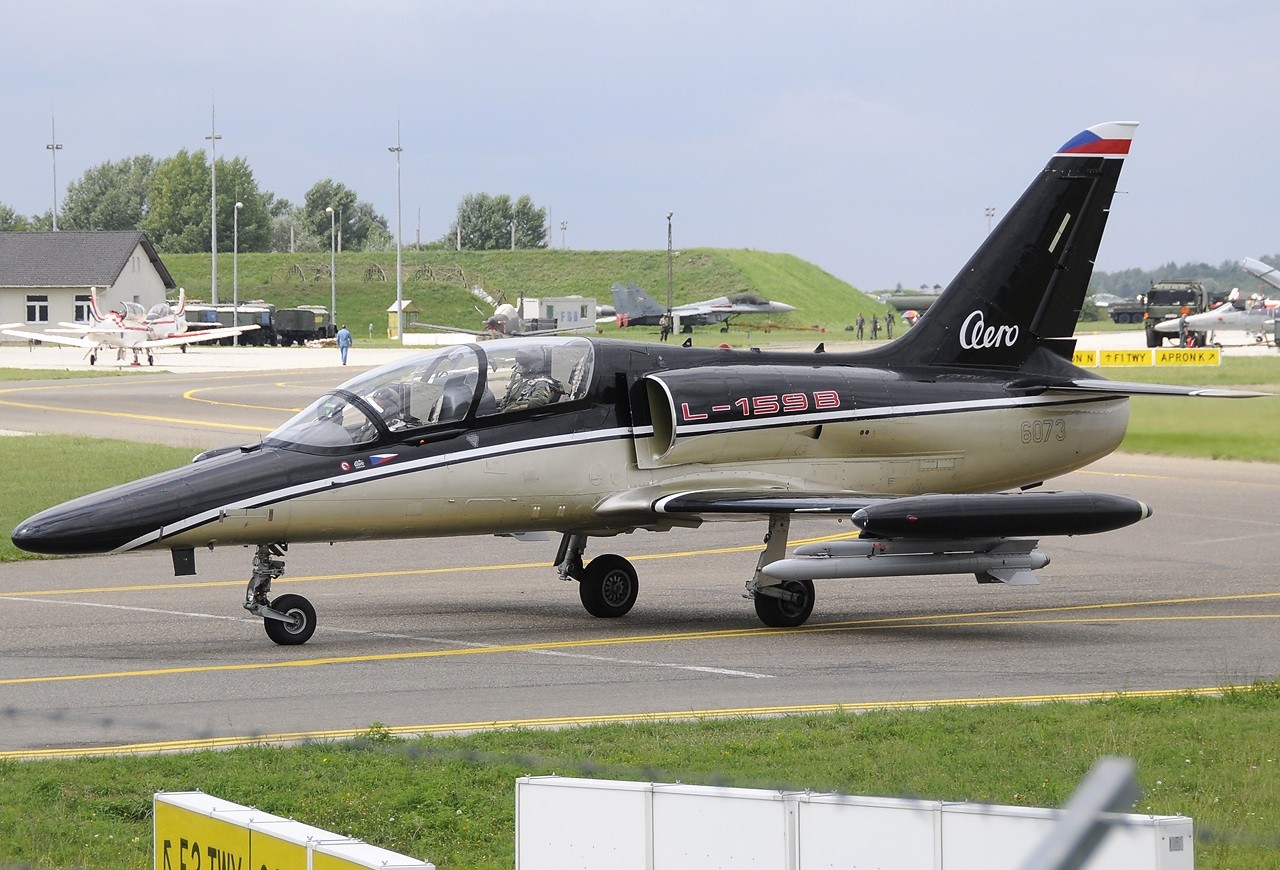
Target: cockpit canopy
(440, 388)
(160, 310)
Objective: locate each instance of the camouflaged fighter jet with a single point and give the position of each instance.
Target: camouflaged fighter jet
(926, 442)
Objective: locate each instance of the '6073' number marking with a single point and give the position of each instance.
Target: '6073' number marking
(1044, 431)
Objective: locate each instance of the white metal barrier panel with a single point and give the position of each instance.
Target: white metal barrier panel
(585, 823)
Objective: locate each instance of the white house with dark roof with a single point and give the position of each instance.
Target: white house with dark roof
(45, 277)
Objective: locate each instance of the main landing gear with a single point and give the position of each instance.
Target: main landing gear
(607, 585)
(290, 619)
(779, 604)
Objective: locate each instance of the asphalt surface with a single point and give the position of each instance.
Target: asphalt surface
(436, 635)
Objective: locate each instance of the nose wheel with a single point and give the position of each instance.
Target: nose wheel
(290, 619)
(299, 627)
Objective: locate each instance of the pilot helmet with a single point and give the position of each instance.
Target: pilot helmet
(386, 400)
(532, 360)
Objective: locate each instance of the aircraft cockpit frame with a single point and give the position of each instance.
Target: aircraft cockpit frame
(455, 386)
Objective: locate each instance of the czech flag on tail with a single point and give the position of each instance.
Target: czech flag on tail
(1111, 139)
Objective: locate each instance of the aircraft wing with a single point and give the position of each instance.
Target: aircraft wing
(1123, 388)
(958, 520)
(192, 337)
(74, 341)
(759, 502)
(435, 327)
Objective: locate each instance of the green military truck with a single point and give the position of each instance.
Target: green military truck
(1165, 300)
(303, 324)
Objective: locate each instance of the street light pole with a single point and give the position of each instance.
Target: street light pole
(670, 278)
(333, 273)
(235, 272)
(213, 138)
(399, 232)
(54, 148)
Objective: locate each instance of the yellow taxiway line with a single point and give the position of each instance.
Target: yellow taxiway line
(985, 619)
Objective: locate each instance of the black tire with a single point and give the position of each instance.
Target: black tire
(608, 586)
(776, 613)
(291, 635)
(1154, 339)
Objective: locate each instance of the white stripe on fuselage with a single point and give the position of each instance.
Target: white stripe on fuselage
(457, 457)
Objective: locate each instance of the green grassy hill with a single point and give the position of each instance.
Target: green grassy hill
(437, 281)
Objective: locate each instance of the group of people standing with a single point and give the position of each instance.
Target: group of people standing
(860, 325)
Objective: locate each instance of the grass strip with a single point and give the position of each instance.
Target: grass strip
(45, 470)
(451, 799)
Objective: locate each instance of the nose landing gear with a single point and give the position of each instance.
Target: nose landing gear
(290, 619)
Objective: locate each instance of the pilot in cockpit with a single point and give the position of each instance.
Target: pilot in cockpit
(531, 384)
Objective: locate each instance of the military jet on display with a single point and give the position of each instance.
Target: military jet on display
(934, 444)
(132, 328)
(1255, 316)
(640, 309)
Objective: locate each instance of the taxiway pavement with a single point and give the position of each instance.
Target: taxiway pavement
(457, 634)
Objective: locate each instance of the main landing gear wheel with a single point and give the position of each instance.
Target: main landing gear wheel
(301, 624)
(786, 612)
(608, 586)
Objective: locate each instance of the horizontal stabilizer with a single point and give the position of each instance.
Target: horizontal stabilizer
(1124, 388)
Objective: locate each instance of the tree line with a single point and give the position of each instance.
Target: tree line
(1217, 279)
(169, 200)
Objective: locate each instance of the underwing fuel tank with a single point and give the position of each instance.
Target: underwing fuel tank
(1015, 514)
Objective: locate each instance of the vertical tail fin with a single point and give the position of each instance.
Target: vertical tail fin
(634, 302)
(1023, 288)
(93, 305)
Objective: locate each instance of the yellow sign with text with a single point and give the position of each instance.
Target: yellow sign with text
(1188, 356)
(1124, 357)
(196, 832)
(1085, 358)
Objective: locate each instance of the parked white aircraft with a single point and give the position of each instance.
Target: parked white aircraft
(131, 328)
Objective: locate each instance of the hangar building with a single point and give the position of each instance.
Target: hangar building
(45, 277)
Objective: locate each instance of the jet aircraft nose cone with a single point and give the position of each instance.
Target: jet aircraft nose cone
(85, 525)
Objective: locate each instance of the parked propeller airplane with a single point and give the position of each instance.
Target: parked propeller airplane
(132, 328)
(641, 309)
(915, 440)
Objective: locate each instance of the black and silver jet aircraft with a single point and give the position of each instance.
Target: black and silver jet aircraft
(928, 442)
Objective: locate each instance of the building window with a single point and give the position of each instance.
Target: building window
(37, 309)
(83, 310)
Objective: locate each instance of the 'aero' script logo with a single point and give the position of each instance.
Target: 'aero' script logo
(976, 335)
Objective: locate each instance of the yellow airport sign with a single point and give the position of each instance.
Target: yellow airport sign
(1124, 357)
(193, 829)
(1188, 356)
(197, 831)
(1085, 358)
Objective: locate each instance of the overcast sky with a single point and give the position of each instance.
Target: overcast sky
(867, 137)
